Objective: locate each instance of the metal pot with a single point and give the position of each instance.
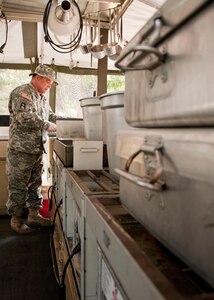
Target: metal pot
(92, 118)
(112, 106)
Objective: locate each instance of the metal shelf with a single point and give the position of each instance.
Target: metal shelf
(141, 265)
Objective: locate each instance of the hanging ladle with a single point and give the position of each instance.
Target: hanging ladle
(85, 49)
(119, 34)
(110, 48)
(97, 50)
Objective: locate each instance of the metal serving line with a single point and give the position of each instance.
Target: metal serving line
(118, 255)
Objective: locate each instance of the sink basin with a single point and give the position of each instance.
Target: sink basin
(64, 150)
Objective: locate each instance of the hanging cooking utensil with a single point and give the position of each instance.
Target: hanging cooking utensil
(119, 35)
(93, 32)
(85, 49)
(110, 48)
(93, 35)
(72, 63)
(97, 50)
(90, 44)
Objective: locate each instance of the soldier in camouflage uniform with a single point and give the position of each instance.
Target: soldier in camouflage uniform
(30, 120)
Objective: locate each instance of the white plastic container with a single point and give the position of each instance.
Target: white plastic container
(92, 118)
(112, 105)
(87, 155)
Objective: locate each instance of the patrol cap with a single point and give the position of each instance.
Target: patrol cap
(45, 71)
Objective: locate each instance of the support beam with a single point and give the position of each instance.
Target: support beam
(52, 98)
(102, 66)
(60, 69)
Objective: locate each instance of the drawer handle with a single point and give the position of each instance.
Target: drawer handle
(89, 150)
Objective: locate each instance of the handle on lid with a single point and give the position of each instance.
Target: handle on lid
(138, 180)
(154, 183)
(146, 50)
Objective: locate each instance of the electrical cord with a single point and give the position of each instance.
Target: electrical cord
(51, 195)
(2, 16)
(75, 250)
(62, 48)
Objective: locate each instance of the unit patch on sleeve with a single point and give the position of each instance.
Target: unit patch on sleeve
(23, 106)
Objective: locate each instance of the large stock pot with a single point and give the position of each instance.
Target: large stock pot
(169, 67)
(92, 118)
(166, 183)
(112, 105)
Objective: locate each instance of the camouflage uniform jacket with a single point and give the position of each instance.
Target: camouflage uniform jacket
(29, 116)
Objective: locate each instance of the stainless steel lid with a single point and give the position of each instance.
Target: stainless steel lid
(112, 100)
(90, 101)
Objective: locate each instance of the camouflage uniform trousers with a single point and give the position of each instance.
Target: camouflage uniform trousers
(24, 181)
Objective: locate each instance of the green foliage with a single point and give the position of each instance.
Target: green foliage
(115, 83)
(10, 79)
(70, 90)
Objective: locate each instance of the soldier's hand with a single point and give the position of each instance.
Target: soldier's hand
(51, 127)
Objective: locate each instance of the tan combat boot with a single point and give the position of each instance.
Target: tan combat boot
(34, 218)
(17, 225)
